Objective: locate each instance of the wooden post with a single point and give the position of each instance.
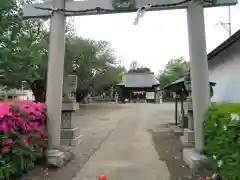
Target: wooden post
(181, 101)
(176, 110)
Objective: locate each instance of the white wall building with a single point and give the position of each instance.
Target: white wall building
(224, 70)
(17, 94)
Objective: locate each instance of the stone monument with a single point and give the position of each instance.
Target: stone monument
(70, 135)
(183, 119)
(188, 133)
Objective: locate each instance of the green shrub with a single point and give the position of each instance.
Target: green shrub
(222, 139)
(19, 158)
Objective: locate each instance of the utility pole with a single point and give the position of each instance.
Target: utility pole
(229, 21)
(228, 25)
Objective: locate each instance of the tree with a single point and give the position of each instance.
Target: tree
(24, 54)
(94, 63)
(23, 48)
(134, 65)
(140, 70)
(135, 68)
(174, 69)
(105, 81)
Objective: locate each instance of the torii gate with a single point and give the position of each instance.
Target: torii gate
(57, 10)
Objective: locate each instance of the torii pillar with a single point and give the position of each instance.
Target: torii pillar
(199, 68)
(200, 80)
(55, 72)
(56, 154)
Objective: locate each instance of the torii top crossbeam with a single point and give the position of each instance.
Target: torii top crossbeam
(76, 8)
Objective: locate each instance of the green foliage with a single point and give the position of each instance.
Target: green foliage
(24, 52)
(94, 63)
(19, 157)
(140, 70)
(173, 70)
(23, 46)
(135, 68)
(222, 139)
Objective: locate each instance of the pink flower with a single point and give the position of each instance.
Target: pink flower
(4, 149)
(35, 125)
(4, 126)
(27, 112)
(6, 142)
(25, 139)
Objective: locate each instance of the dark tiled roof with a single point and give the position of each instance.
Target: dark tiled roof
(139, 80)
(179, 83)
(230, 41)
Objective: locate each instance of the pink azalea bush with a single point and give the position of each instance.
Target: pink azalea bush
(23, 117)
(22, 133)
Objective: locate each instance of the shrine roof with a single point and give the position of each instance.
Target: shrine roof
(138, 80)
(223, 46)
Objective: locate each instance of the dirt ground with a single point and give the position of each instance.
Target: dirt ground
(116, 135)
(170, 151)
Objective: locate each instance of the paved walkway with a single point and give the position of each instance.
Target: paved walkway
(117, 142)
(128, 153)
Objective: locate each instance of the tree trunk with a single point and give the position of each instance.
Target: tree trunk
(81, 94)
(38, 88)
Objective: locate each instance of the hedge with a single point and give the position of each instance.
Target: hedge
(23, 137)
(222, 139)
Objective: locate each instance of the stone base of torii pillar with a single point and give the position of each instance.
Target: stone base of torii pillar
(59, 156)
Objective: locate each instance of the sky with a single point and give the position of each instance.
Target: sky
(159, 36)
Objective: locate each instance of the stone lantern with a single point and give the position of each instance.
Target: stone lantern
(70, 135)
(188, 105)
(187, 81)
(188, 133)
